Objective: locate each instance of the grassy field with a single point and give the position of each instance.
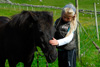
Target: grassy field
(89, 56)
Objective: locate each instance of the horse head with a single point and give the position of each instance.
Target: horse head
(41, 24)
(44, 31)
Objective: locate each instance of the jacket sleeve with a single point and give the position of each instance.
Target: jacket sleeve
(65, 40)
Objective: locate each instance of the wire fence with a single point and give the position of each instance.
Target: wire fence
(88, 34)
(87, 30)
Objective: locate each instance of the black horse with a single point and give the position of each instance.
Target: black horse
(4, 19)
(20, 36)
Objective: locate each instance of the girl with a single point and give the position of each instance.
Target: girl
(65, 35)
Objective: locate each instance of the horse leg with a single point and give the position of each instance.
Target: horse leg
(27, 65)
(12, 63)
(28, 62)
(2, 62)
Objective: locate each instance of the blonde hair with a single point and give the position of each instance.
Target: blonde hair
(73, 24)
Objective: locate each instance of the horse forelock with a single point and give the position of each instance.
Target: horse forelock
(45, 20)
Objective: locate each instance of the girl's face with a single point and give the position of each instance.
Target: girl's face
(67, 18)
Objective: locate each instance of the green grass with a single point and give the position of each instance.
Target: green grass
(44, 2)
(89, 54)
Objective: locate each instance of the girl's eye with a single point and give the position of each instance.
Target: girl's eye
(65, 17)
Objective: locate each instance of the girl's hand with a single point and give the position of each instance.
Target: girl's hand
(53, 42)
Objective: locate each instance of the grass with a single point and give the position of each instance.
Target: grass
(89, 54)
(44, 2)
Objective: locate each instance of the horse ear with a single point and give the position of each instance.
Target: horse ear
(34, 16)
(24, 12)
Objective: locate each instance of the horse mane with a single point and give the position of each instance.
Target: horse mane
(28, 18)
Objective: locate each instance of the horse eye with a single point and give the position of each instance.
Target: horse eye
(40, 30)
(41, 33)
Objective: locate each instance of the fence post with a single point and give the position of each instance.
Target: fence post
(78, 36)
(96, 21)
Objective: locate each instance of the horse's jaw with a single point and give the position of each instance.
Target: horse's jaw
(51, 57)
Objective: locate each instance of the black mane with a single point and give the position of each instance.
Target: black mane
(21, 19)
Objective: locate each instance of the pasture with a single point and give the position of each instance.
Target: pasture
(89, 54)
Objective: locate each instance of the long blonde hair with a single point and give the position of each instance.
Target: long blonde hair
(70, 12)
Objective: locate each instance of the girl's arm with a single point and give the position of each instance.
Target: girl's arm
(65, 40)
(62, 41)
